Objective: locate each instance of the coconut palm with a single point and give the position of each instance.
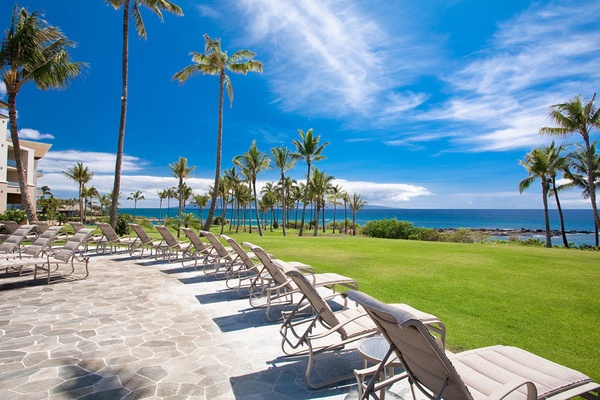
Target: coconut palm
(105, 201)
(574, 117)
(537, 165)
(136, 196)
(557, 163)
(200, 201)
(309, 149)
(269, 197)
(336, 193)
(33, 51)
(577, 174)
(88, 197)
(82, 175)
(180, 170)
(162, 194)
(131, 8)
(251, 163)
(320, 185)
(283, 160)
(215, 61)
(355, 202)
(171, 193)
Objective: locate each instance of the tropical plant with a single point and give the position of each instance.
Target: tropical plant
(181, 171)
(215, 61)
(33, 51)
(309, 149)
(537, 165)
(355, 202)
(335, 194)
(283, 160)
(189, 220)
(105, 201)
(162, 194)
(269, 198)
(82, 175)
(136, 196)
(171, 193)
(251, 163)
(200, 201)
(88, 197)
(156, 6)
(577, 174)
(574, 117)
(320, 185)
(557, 163)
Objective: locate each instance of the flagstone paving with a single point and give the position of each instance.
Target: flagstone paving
(137, 328)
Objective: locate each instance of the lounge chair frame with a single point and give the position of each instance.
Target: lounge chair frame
(169, 248)
(142, 241)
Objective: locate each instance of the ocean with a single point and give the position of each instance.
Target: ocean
(579, 221)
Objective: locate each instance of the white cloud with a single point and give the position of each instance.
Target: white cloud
(384, 194)
(33, 134)
(337, 59)
(99, 163)
(546, 55)
(207, 11)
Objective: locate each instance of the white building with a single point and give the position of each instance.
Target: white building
(31, 152)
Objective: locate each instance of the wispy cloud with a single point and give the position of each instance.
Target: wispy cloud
(544, 56)
(207, 11)
(385, 194)
(335, 59)
(33, 134)
(2, 89)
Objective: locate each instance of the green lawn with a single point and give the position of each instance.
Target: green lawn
(543, 300)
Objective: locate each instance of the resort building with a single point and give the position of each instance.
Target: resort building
(31, 152)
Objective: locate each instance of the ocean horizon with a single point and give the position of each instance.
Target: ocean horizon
(579, 222)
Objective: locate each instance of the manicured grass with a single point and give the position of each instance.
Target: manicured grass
(543, 300)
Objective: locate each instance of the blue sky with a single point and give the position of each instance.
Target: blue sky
(427, 104)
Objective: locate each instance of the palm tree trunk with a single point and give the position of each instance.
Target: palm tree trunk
(213, 204)
(81, 210)
(121, 140)
(345, 216)
(305, 198)
(283, 216)
(353, 223)
(323, 217)
(592, 183)
(318, 210)
(560, 214)
(14, 134)
(546, 215)
(256, 207)
(334, 212)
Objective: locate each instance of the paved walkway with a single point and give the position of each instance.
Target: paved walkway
(136, 328)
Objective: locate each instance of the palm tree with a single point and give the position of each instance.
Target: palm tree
(180, 170)
(171, 193)
(215, 61)
(88, 197)
(574, 117)
(346, 199)
(536, 164)
(252, 162)
(105, 201)
(200, 201)
(81, 175)
(309, 150)
(355, 202)
(335, 194)
(156, 6)
(577, 174)
(162, 194)
(269, 198)
(33, 51)
(135, 196)
(283, 160)
(557, 163)
(320, 184)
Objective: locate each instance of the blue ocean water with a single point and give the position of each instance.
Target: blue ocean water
(580, 220)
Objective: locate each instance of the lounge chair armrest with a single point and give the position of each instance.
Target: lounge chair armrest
(338, 326)
(513, 385)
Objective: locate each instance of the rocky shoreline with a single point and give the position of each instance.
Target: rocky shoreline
(515, 232)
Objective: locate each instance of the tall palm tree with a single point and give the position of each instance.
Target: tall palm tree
(536, 164)
(557, 163)
(320, 184)
(88, 197)
(82, 175)
(200, 201)
(577, 174)
(136, 196)
(105, 201)
(171, 193)
(309, 149)
(133, 8)
(335, 195)
(355, 202)
(180, 170)
(574, 117)
(162, 194)
(269, 197)
(252, 162)
(283, 160)
(215, 61)
(33, 51)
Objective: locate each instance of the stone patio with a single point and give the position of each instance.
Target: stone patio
(138, 328)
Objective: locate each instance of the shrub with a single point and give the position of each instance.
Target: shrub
(18, 216)
(389, 229)
(122, 226)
